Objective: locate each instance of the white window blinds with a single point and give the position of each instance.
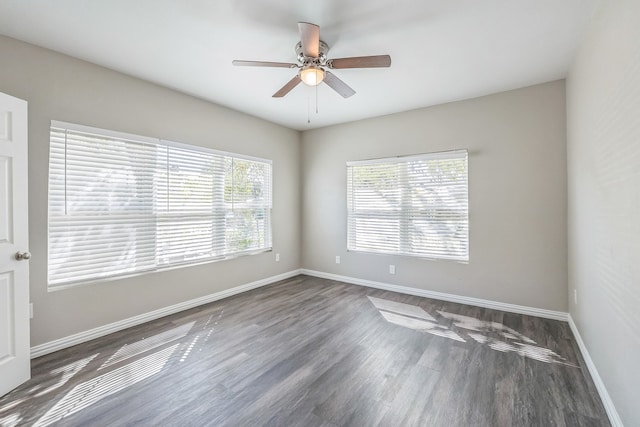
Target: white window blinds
(120, 204)
(414, 205)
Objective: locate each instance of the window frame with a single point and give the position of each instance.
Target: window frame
(402, 218)
(111, 134)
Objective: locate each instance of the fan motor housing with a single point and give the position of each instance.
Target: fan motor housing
(323, 49)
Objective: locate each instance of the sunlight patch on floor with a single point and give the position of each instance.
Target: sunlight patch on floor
(130, 350)
(189, 348)
(89, 392)
(473, 324)
(401, 308)
(421, 325)
(66, 372)
(11, 404)
(11, 420)
(480, 331)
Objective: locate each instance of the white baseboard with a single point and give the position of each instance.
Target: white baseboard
(612, 413)
(71, 340)
(512, 308)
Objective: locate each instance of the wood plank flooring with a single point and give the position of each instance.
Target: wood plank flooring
(315, 352)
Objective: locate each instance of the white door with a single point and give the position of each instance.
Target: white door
(14, 256)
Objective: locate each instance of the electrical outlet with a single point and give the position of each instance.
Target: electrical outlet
(30, 310)
(277, 257)
(575, 296)
(337, 259)
(392, 269)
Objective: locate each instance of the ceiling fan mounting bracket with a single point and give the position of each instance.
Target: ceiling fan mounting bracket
(323, 49)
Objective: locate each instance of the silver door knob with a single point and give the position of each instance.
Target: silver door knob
(20, 256)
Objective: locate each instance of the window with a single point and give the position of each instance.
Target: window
(414, 205)
(121, 204)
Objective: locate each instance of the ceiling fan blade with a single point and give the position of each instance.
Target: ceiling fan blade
(310, 39)
(287, 87)
(361, 62)
(338, 85)
(263, 64)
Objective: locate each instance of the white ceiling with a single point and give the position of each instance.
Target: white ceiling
(441, 50)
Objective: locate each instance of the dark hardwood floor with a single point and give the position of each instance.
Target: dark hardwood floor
(314, 352)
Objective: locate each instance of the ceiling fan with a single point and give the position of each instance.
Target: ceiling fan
(314, 65)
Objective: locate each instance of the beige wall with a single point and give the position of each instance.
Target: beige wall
(603, 143)
(61, 88)
(517, 195)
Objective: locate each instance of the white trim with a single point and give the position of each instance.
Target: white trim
(612, 413)
(71, 340)
(132, 137)
(103, 132)
(451, 154)
(496, 305)
(203, 149)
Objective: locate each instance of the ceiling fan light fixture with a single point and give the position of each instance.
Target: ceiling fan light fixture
(312, 75)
